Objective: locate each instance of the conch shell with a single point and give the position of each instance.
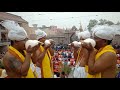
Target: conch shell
(32, 43)
(89, 40)
(47, 42)
(76, 43)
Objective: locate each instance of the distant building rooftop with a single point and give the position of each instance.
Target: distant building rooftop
(8, 16)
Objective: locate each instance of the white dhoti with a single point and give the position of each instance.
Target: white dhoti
(36, 70)
(78, 72)
(4, 74)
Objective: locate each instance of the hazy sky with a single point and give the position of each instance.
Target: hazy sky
(66, 19)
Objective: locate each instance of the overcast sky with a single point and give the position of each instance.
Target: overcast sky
(66, 19)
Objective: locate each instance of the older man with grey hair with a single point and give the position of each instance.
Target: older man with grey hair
(102, 59)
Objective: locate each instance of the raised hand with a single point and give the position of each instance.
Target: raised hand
(32, 49)
(46, 47)
(88, 46)
(52, 41)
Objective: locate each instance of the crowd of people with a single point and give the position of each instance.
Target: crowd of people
(42, 61)
(63, 61)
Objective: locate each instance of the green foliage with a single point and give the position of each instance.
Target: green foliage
(104, 21)
(74, 28)
(118, 23)
(66, 69)
(94, 22)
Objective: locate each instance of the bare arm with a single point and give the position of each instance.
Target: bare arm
(51, 51)
(16, 66)
(85, 57)
(52, 45)
(75, 53)
(104, 62)
(12, 63)
(75, 50)
(35, 56)
(40, 55)
(26, 65)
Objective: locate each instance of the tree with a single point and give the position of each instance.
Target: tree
(44, 26)
(94, 22)
(118, 23)
(74, 28)
(109, 23)
(104, 21)
(91, 24)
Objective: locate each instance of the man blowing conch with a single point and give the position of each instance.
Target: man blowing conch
(102, 58)
(18, 59)
(43, 56)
